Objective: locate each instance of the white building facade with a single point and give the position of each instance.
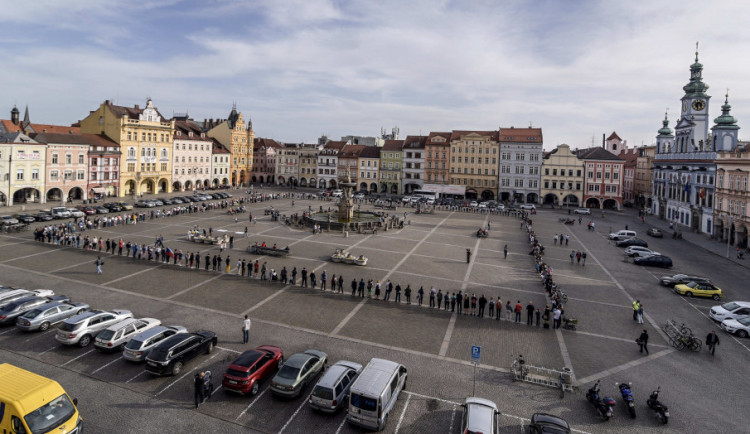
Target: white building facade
(520, 164)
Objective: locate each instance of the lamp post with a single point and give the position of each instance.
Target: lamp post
(729, 230)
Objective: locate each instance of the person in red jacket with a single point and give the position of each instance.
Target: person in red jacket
(518, 310)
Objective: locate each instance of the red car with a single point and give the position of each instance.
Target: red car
(87, 210)
(251, 367)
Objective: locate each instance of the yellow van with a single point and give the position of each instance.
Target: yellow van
(32, 404)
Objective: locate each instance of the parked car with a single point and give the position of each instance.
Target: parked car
(138, 348)
(126, 206)
(359, 196)
(60, 212)
(101, 210)
(11, 311)
(479, 416)
(331, 392)
(49, 314)
(113, 206)
(698, 289)
(82, 329)
(639, 251)
(157, 202)
(543, 423)
(76, 213)
(654, 261)
(528, 206)
(171, 355)
(630, 242)
(739, 327)
(87, 210)
(582, 211)
(42, 216)
(677, 279)
(166, 201)
(17, 294)
(297, 372)
(731, 310)
(473, 204)
(622, 235)
(144, 204)
(654, 232)
(247, 371)
(8, 220)
(116, 336)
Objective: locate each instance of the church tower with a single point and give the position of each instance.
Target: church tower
(665, 139)
(691, 131)
(725, 129)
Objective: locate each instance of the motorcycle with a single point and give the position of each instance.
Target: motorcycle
(602, 405)
(627, 396)
(661, 410)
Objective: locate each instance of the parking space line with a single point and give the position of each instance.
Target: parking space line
(253, 402)
(565, 354)
(304, 402)
(34, 336)
(73, 360)
(137, 375)
(8, 331)
(186, 374)
(403, 412)
(29, 256)
(133, 274)
(190, 288)
(47, 350)
(228, 349)
(624, 366)
(395, 267)
(453, 417)
(72, 266)
(113, 361)
(341, 426)
(216, 390)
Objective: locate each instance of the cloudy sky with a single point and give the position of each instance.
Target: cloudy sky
(303, 68)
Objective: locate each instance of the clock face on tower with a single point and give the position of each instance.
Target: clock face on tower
(699, 104)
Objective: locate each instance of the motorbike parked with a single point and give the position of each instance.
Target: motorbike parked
(602, 405)
(627, 396)
(661, 410)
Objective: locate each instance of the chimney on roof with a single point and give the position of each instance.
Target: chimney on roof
(205, 123)
(137, 107)
(107, 102)
(44, 130)
(511, 127)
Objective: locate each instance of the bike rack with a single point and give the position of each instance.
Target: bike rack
(541, 376)
(681, 337)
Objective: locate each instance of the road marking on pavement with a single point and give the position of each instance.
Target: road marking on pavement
(113, 361)
(8, 331)
(395, 267)
(709, 318)
(453, 417)
(304, 402)
(137, 375)
(73, 360)
(186, 374)
(597, 335)
(27, 256)
(341, 426)
(47, 350)
(72, 266)
(133, 274)
(189, 288)
(253, 401)
(464, 285)
(624, 366)
(565, 354)
(36, 335)
(403, 412)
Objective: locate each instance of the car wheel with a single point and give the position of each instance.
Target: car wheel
(254, 389)
(44, 326)
(716, 297)
(742, 334)
(177, 368)
(85, 341)
(688, 294)
(210, 347)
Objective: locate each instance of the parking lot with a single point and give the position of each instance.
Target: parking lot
(434, 345)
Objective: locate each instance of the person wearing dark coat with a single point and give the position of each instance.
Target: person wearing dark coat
(712, 341)
(643, 341)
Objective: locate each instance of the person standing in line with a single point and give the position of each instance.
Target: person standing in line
(228, 265)
(313, 282)
(446, 300)
(333, 283)
(482, 305)
(398, 293)
(572, 255)
(518, 310)
(294, 276)
(407, 293)
(556, 315)
(354, 287)
(453, 302)
(640, 313)
(304, 277)
(208, 261)
(567, 238)
(467, 301)
(439, 297)
(712, 341)
(361, 288)
(263, 269)
(459, 302)
(246, 330)
(323, 280)
(505, 252)
(546, 315)
(537, 315)
(473, 304)
(240, 268)
(231, 242)
(341, 283)
(583, 257)
(555, 239)
(433, 293)
(530, 313)
(198, 388)
(508, 310)
(498, 309)
(468, 255)
(420, 293)
(98, 264)
(377, 290)
(243, 265)
(643, 341)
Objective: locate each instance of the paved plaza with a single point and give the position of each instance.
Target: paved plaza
(704, 393)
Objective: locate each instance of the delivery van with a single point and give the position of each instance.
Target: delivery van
(374, 393)
(30, 403)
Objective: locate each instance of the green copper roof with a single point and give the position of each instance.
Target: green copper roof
(665, 131)
(696, 87)
(726, 120)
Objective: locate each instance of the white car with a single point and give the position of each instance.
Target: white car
(640, 252)
(500, 207)
(431, 201)
(337, 193)
(474, 204)
(739, 327)
(483, 205)
(585, 211)
(479, 416)
(8, 220)
(731, 310)
(359, 196)
(528, 206)
(76, 212)
(406, 199)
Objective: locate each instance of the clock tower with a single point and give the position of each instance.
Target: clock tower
(691, 131)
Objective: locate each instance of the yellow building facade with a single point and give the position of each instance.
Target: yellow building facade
(471, 155)
(145, 139)
(238, 138)
(562, 178)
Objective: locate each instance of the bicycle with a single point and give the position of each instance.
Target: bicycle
(519, 369)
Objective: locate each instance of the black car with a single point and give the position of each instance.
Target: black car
(654, 261)
(113, 207)
(543, 423)
(42, 216)
(679, 279)
(632, 242)
(25, 218)
(14, 309)
(171, 355)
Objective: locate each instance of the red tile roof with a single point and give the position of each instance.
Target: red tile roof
(446, 136)
(393, 145)
(261, 142)
(75, 139)
(613, 136)
(370, 152)
(334, 145)
(597, 154)
(523, 135)
(351, 151)
(219, 148)
(8, 126)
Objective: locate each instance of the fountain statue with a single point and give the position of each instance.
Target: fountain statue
(346, 203)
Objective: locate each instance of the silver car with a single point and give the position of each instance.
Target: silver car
(15, 294)
(479, 415)
(81, 329)
(116, 336)
(332, 390)
(11, 311)
(141, 345)
(49, 314)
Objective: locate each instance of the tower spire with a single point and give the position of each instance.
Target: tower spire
(696, 51)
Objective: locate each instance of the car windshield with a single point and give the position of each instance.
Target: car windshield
(730, 306)
(69, 327)
(691, 284)
(106, 335)
(288, 372)
(744, 321)
(134, 344)
(33, 314)
(364, 402)
(323, 393)
(49, 416)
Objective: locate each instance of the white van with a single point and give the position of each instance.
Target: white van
(622, 235)
(374, 393)
(60, 212)
(337, 193)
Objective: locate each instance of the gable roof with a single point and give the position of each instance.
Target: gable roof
(597, 154)
(218, 148)
(129, 112)
(414, 142)
(446, 136)
(457, 134)
(187, 127)
(16, 137)
(351, 151)
(370, 152)
(524, 135)
(261, 142)
(393, 145)
(614, 136)
(334, 144)
(7, 126)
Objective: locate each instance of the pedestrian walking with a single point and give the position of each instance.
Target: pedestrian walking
(198, 388)
(518, 310)
(567, 238)
(635, 310)
(246, 330)
(505, 252)
(468, 255)
(572, 255)
(642, 341)
(583, 257)
(712, 341)
(98, 264)
(640, 313)
(530, 313)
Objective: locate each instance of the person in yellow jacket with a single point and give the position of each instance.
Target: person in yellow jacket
(636, 307)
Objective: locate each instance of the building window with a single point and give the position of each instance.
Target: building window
(68, 159)
(53, 176)
(54, 158)
(80, 158)
(34, 174)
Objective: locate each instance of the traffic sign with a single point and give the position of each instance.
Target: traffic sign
(476, 351)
